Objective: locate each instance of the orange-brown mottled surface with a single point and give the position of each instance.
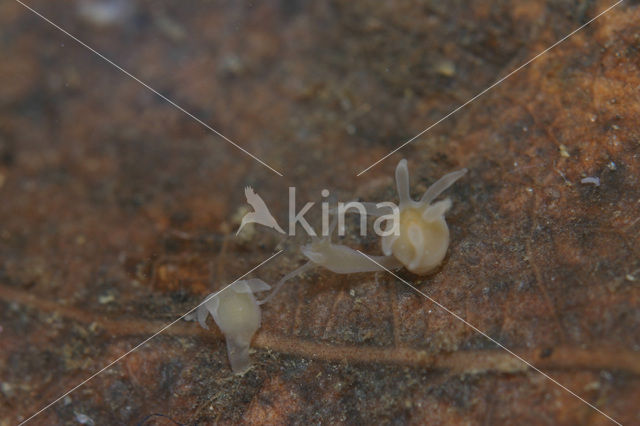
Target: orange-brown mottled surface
(118, 212)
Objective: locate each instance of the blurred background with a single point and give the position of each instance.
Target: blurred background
(118, 211)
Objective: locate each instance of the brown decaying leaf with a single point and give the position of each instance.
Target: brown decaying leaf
(115, 209)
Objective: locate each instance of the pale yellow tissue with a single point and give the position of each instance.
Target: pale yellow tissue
(236, 312)
(423, 238)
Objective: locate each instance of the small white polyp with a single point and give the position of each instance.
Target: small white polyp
(236, 312)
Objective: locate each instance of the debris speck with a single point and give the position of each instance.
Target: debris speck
(106, 298)
(592, 386)
(566, 181)
(169, 27)
(445, 68)
(103, 13)
(232, 65)
(592, 180)
(612, 165)
(83, 419)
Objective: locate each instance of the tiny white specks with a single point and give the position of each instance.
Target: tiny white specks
(83, 419)
(592, 180)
